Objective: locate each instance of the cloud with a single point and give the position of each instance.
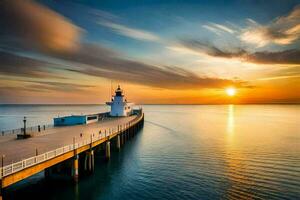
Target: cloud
(291, 56)
(279, 77)
(39, 29)
(33, 25)
(22, 88)
(130, 32)
(218, 28)
(292, 72)
(283, 30)
(212, 29)
(16, 65)
(57, 86)
(98, 61)
(95, 60)
(104, 15)
(223, 27)
(210, 49)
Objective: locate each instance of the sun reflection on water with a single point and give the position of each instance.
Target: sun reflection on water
(230, 119)
(237, 161)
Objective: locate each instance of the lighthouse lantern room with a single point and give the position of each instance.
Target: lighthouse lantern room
(119, 105)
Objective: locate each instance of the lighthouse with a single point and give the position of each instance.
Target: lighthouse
(119, 105)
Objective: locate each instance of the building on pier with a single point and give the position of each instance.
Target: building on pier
(75, 120)
(119, 108)
(119, 105)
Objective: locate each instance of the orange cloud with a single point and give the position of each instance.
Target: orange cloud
(38, 27)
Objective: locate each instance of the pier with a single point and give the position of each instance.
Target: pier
(68, 147)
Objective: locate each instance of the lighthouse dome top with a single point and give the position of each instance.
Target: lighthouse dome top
(119, 91)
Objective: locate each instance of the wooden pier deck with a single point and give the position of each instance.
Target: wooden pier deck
(27, 157)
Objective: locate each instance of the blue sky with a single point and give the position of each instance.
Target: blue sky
(167, 19)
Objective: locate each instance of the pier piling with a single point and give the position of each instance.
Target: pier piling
(92, 161)
(107, 150)
(75, 168)
(89, 161)
(118, 142)
(122, 138)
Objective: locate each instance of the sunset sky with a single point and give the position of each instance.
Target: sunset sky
(170, 52)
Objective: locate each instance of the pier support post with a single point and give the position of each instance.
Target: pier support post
(75, 168)
(89, 161)
(107, 150)
(118, 142)
(122, 138)
(92, 161)
(128, 134)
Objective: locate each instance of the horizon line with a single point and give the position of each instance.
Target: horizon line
(86, 104)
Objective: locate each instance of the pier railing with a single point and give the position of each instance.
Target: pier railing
(35, 129)
(23, 164)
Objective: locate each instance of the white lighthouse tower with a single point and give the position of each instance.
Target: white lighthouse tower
(119, 106)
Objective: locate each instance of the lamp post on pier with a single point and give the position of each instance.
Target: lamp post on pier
(24, 120)
(23, 135)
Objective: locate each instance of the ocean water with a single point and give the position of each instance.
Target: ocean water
(183, 152)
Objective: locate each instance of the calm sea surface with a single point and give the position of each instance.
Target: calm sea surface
(183, 152)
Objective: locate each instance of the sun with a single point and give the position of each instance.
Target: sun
(230, 91)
